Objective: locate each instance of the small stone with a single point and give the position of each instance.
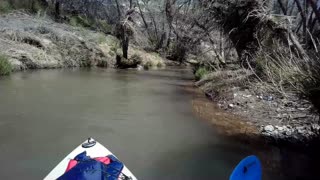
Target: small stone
(267, 98)
(302, 109)
(310, 133)
(269, 128)
(280, 128)
(288, 133)
(315, 127)
(301, 130)
(231, 105)
(139, 67)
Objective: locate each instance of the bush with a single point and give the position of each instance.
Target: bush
(101, 38)
(5, 66)
(80, 21)
(114, 49)
(111, 53)
(160, 64)
(147, 65)
(104, 26)
(5, 7)
(136, 58)
(37, 7)
(200, 73)
(34, 6)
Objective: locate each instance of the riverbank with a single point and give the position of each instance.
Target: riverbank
(288, 119)
(36, 42)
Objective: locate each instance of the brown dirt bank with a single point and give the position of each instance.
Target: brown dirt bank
(285, 160)
(224, 122)
(242, 113)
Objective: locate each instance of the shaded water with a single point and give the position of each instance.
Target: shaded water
(144, 117)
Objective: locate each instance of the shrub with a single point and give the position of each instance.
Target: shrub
(80, 21)
(73, 21)
(34, 6)
(5, 66)
(114, 48)
(104, 26)
(160, 64)
(147, 65)
(136, 58)
(111, 53)
(101, 38)
(281, 71)
(200, 73)
(37, 7)
(5, 7)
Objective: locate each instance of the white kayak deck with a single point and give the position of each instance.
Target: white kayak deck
(97, 150)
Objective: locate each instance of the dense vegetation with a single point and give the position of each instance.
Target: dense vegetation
(277, 40)
(5, 66)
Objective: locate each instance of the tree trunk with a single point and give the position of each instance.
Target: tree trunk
(57, 10)
(125, 46)
(142, 16)
(118, 9)
(313, 4)
(284, 10)
(303, 17)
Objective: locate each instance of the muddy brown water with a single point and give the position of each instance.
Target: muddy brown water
(149, 119)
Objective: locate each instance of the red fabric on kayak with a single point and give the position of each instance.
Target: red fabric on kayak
(72, 163)
(104, 160)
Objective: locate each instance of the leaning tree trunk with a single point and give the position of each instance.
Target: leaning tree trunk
(125, 45)
(57, 10)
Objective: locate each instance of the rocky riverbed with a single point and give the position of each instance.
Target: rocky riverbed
(278, 118)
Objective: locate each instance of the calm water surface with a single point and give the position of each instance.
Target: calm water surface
(144, 117)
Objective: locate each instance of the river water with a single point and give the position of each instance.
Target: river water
(144, 117)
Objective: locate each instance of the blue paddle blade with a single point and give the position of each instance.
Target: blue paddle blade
(248, 169)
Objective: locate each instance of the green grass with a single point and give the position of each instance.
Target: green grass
(37, 8)
(111, 53)
(34, 6)
(200, 73)
(5, 7)
(101, 38)
(104, 26)
(79, 21)
(5, 66)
